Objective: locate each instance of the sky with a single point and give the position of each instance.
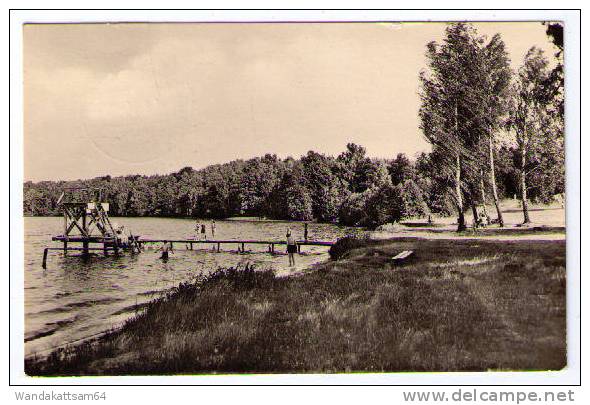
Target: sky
(123, 99)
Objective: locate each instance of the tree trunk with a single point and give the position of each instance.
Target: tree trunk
(493, 181)
(483, 193)
(461, 226)
(523, 197)
(474, 212)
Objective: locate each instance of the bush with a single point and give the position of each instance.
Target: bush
(383, 205)
(345, 245)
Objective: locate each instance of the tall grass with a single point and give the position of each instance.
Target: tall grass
(459, 305)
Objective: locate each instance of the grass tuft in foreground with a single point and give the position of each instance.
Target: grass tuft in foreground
(457, 305)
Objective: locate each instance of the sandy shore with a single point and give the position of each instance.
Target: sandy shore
(382, 235)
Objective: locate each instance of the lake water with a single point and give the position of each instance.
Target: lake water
(74, 299)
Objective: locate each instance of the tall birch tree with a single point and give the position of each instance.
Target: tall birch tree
(450, 109)
(496, 76)
(529, 118)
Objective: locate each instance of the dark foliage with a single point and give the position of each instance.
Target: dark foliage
(345, 245)
(345, 189)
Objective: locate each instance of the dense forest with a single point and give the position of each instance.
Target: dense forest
(351, 189)
(494, 134)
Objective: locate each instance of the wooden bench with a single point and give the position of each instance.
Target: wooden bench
(402, 256)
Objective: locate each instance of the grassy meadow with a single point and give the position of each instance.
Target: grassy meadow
(456, 305)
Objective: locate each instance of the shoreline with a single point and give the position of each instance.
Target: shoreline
(243, 311)
(284, 271)
(448, 234)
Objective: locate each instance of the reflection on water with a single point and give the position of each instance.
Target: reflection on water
(76, 298)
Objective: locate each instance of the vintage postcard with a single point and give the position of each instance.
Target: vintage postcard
(271, 197)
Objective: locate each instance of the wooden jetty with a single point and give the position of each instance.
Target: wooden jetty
(241, 243)
(86, 222)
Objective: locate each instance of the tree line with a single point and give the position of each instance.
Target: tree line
(494, 134)
(350, 189)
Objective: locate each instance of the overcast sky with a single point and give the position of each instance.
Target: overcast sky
(152, 98)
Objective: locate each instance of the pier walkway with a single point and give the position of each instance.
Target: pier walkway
(137, 243)
(241, 243)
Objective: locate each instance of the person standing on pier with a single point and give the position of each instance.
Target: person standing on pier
(213, 226)
(305, 234)
(291, 248)
(203, 231)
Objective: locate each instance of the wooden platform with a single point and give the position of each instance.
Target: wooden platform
(248, 241)
(240, 242)
(112, 244)
(400, 257)
(82, 239)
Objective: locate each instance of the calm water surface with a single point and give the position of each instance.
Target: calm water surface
(74, 299)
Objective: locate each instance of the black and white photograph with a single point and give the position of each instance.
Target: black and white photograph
(285, 197)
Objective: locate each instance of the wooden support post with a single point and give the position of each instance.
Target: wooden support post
(65, 222)
(85, 234)
(218, 247)
(84, 225)
(45, 258)
(243, 250)
(272, 248)
(105, 251)
(65, 247)
(298, 248)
